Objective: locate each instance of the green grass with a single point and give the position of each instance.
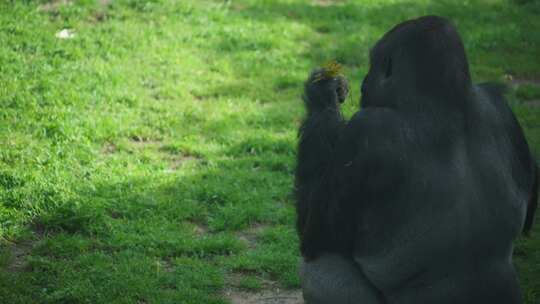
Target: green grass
(528, 91)
(150, 158)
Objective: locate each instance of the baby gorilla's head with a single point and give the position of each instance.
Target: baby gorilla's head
(325, 88)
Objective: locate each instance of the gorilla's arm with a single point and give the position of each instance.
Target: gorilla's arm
(335, 160)
(368, 155)
(330, 275)
(524, 168)
(333, 279)
(314, 181)
(533, 204)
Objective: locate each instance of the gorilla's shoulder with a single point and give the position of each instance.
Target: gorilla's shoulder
(493, 90)
(374, 133)
(492, 108)
(379, 124)
(494, 93)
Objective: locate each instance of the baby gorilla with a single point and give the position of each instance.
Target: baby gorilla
(330, 278)
(419, 196)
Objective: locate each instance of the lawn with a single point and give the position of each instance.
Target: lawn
(147, 148)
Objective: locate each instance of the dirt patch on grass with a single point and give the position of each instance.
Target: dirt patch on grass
(276, 296)
(141, 141)
(108, 148)
(238, 7)
(178, 161)
(325, 3)
(526, 81)
(200, 97)
(268, 291)
(18, 253)
(199, 228)
(164, 266)
(53, 6)
(532, 103)
(249, 236)
(234, 281)
(516, 81)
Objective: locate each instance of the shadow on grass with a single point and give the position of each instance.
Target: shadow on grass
(176, 231)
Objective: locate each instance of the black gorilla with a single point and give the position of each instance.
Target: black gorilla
(418, 197)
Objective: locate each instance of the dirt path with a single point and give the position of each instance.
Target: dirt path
(276, 296)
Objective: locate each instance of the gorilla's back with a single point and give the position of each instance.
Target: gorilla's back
(441, 230)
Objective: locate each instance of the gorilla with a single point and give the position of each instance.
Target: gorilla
(419, 196)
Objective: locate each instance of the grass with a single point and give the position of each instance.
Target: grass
(149, 158)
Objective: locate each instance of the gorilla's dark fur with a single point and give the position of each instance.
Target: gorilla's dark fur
(533, 204)
(419, 196)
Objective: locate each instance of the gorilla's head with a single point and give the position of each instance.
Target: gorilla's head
(417, 61)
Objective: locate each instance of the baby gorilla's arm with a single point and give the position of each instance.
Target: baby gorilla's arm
(333, 279)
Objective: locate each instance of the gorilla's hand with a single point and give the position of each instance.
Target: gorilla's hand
(322, 90)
